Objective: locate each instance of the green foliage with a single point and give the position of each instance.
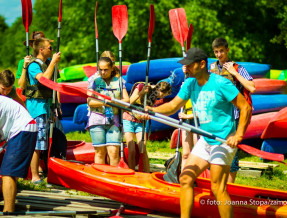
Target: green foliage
(3, 25)
(256, 31)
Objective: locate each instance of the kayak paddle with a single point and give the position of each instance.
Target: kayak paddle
(150, 32)
(189, 36)
(53, 107)
(96, 34)
(27, 19)
(78, 91)
(179, 29)
(178, 23)
(120, 28)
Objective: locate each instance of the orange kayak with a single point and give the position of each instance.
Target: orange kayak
(150, 191)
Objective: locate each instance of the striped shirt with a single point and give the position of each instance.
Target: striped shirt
(243, 72)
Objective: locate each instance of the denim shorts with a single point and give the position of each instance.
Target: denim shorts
(103, 135)
(133, 127)
(42, 137)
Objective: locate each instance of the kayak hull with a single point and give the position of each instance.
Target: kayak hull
(268, 103)
(269, 86)
(277, 127)
(151, 192)
(278, 146)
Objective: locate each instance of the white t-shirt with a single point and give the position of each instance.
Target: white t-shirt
(13, 118)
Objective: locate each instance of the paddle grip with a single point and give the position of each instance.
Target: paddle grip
(27, 43)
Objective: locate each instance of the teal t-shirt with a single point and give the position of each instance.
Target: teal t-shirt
(35, 106)
(212, 103)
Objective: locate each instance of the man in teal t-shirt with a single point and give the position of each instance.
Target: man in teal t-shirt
(213, 98)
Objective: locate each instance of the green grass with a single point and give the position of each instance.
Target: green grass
(79, 136)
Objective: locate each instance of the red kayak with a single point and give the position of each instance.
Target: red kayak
(257, 125)
(254, 130)
(269, 86)
(150, 191)
(277, 127)
(84, 152)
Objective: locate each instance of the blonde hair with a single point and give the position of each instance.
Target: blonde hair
(111, 55)
(39, 43)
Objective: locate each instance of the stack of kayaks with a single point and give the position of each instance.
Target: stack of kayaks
(161, 70)
(277, 74)
(268, 103)
(274, 135)
(269, 86)
(77, 72)
(150, 191)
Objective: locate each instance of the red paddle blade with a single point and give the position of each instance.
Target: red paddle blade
(120, 21)
(60, 11)
(189, 36)
(122, 164)
(96, 26)
(263, 154)
(151, 22)
(26, 13)
(70, 89)
(178, 23)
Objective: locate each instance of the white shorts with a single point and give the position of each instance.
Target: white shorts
(215, 154)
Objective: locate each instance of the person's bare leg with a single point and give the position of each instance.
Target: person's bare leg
(100, 155)
(113, 153)
(129, 136)
(219, 175)
(35, 162)
(193, 168)
(232, 177)
(187, 144)
(9, 188)
(146, 167)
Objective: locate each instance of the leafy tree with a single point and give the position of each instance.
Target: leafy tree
(3, 25)
(256, 31)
